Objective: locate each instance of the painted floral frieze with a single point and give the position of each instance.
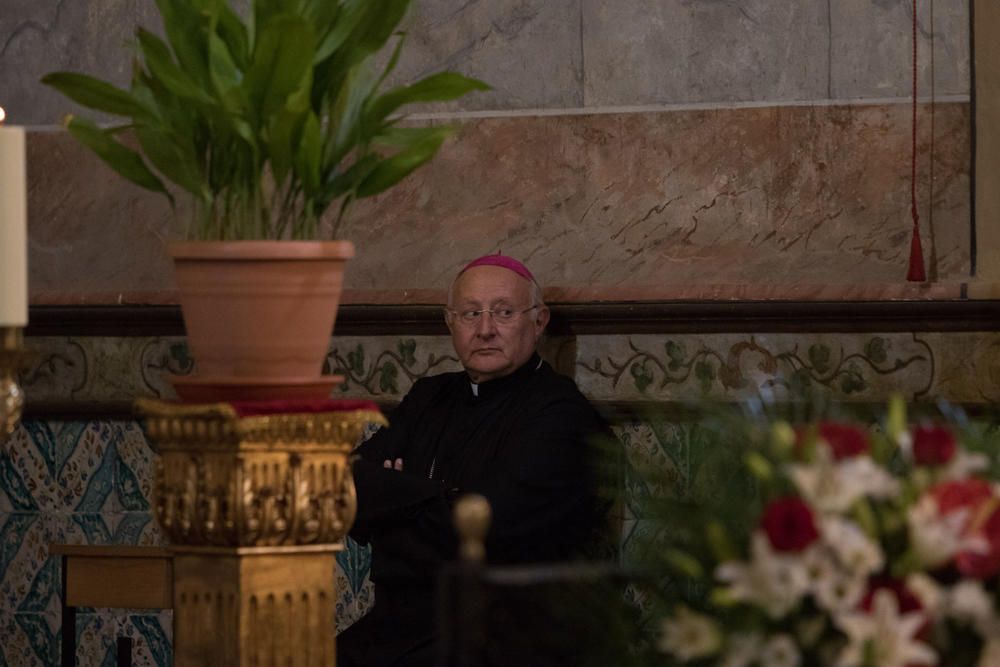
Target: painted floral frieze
(854, 367)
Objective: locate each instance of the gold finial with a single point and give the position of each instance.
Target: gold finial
(472, 521)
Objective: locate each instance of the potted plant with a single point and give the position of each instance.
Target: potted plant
(269, 122)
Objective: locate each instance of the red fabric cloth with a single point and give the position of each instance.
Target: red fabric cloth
(258, 408)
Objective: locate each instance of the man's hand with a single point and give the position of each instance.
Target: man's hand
(388, 464)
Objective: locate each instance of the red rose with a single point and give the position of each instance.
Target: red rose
(951, 496)
(975, 496)
(845, 440)
(789, 524)
(933, 445)
(984, 524)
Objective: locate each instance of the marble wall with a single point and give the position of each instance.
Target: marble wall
(632, 147)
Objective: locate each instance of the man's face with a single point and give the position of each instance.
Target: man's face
(489, 349)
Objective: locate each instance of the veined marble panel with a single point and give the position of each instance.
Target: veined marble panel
(88, 228)
(958, 367)
(654, 52)
(781, 195)
(816, 195)
(42, 36)
(528, 51)
(871, 48)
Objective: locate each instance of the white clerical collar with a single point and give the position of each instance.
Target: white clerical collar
(475, 388)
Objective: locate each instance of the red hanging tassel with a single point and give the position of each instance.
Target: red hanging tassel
(915, 273)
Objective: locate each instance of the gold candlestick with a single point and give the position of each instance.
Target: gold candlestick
(11, 397)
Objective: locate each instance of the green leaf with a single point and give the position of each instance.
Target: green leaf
(641, 376)
(281, 64)
(876, 350)
(186, 28)
(174, 160)
(407, 348)
(347, 181)
(819, 357)
(307, 158)
(362, 29)
(393, 59)
(225, 74)
(283, 136)
(95, 94)
(347, 20)
(759, 466)
(435, 88)
(675, 352)
(684, 563)
(166, 71)
(853, 381)
(232, 31)
(394, 169)
(387, 377)
(719, 541)
(123, 160)
(705, 372)
(356, 359)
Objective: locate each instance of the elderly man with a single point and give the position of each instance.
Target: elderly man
(508, 427)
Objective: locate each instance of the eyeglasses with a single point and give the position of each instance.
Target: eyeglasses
(502, 315)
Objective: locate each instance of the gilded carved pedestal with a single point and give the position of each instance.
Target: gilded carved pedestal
(255, 501)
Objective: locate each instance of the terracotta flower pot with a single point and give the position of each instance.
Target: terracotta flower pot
(258, 315)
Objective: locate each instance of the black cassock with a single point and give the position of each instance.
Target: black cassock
(520, 440)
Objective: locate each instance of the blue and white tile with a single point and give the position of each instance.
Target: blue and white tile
(355, 590)
(28, 640)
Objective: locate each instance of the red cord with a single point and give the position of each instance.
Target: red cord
(915, 272)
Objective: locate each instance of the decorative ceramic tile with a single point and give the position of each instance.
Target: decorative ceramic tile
(385, 367)
(355, 590)
(99, 630)
(734, 366)
(116, 369)
(967, 366)
(28, 640)
(72, 483)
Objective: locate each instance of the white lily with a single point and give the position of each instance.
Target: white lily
(884, 637)
(965, 465)
(772, 581)
(935, 538)
(689, 635)
(780, 651)
(932, 596)
(832, 487)
(852, 546)
(968, 601)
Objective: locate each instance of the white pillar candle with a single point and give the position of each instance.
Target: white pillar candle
(13, 229)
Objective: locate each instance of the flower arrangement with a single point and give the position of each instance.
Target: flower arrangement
(860, 547)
